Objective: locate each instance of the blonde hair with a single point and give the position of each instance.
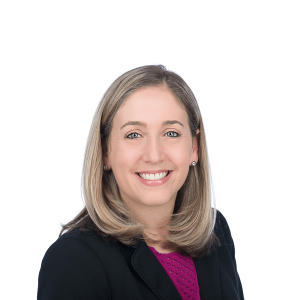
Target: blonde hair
(192, 223)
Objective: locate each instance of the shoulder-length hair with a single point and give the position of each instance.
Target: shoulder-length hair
(192, 223)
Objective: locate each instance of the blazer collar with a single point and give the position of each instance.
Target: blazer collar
(152, 272)
(208, 277)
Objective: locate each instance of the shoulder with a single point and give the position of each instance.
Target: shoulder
(223, 233)
(75, 244)
(70, 265)
(221, 222)
(226, 258)
(221, 226)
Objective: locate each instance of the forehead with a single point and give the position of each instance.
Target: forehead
(151, 105)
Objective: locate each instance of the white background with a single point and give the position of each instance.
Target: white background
(241, 59)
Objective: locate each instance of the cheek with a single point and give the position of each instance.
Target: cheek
(180, 155)
(124, 157)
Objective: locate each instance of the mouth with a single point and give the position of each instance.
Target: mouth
(158, 175)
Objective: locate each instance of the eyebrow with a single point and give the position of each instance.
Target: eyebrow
(169, 122)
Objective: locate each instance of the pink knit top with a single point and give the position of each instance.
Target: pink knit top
(181, 270)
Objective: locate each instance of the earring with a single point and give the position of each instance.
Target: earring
(194, 163)
(105, 168)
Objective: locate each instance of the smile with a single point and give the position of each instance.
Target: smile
(155, 176)
(154, 179)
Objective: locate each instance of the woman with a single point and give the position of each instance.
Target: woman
(148, 230)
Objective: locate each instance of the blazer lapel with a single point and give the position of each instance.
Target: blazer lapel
(208, 277)
(152, 272)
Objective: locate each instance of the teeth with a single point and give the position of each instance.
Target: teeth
(154, 176)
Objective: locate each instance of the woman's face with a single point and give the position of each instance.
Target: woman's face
(150, 135)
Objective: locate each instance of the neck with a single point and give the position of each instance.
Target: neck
(155, 219)
(156, 222)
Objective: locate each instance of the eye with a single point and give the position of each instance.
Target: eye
(132, 135)
(173, 134)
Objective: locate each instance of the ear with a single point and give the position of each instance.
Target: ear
(106, 161)
(195, 156)
(104, 153)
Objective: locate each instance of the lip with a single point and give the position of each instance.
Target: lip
(153, 171)
(154, 183)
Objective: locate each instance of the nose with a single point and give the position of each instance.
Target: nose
(154, 151)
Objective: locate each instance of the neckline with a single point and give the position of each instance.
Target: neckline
(176, 252)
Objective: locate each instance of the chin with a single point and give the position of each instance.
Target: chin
(155, 201)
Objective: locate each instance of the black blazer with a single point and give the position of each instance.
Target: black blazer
(82, 266)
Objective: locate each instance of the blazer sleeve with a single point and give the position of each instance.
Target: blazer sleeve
(230, 245)
(71, 270)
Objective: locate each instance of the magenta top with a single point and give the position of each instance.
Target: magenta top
(181, 270)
